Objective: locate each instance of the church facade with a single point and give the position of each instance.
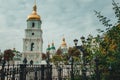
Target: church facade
(33, 41)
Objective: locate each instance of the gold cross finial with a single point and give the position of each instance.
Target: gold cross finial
(34, 7)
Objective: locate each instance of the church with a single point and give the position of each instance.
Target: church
(33, 41)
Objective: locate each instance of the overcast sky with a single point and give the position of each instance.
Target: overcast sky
(71, 18)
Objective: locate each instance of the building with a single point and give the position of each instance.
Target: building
(51, 50)
(33, 42)
(63, 46)
(63, 49)
(17, 56)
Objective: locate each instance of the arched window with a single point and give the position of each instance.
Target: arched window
(32, 46)
(33, 24)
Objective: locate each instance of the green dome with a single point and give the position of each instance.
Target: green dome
(53, 47)
(48, 48)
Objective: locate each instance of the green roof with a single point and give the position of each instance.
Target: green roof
(48, 49)
(53, 47)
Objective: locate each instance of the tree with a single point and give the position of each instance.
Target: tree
(109, 49)
(64, 58)
(8, 55)
(73, 51)
(44, 56)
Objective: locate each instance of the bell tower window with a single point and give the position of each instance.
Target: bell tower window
(33, 24)
(32, 46)
(32, 33)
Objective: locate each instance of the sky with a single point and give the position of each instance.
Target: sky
(60, 18)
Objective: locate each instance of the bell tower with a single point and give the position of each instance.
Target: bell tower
(33, 42)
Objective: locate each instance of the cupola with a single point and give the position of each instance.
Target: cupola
(63, 44)
(34, 15)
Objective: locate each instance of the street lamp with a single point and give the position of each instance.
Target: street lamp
(83, 39)
(82, 49)
(75, 41)
(88, 40)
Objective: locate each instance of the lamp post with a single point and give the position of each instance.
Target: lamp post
(83, 58)
(83, 40)
(84, 55)
(75, 42)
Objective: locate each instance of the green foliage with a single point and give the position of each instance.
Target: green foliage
(109, 46)
(64, 58)
(116, 9)
(103, 19)
(73, 51)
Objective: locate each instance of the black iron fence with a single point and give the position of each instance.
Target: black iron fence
(47, 72)
(26, 72)
(38, 72)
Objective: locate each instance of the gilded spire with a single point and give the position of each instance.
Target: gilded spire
(34, 14)
(64, 39)
(52, 43)
(35, 7)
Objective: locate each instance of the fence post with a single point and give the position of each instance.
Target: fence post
(2, 71)
(22, 72)
(59, 73)
(36, 74)
(50, 72)
(42, 72)
(13, 73)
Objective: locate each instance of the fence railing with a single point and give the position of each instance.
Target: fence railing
(26, 72)
(41, 72)
(36, 72)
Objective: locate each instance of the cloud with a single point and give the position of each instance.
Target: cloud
(72, 18)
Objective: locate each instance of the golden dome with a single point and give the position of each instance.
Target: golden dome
(63, 43)
(34, 14)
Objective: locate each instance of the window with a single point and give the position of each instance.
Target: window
(32, 33)
(33, 24)
(32, 46)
